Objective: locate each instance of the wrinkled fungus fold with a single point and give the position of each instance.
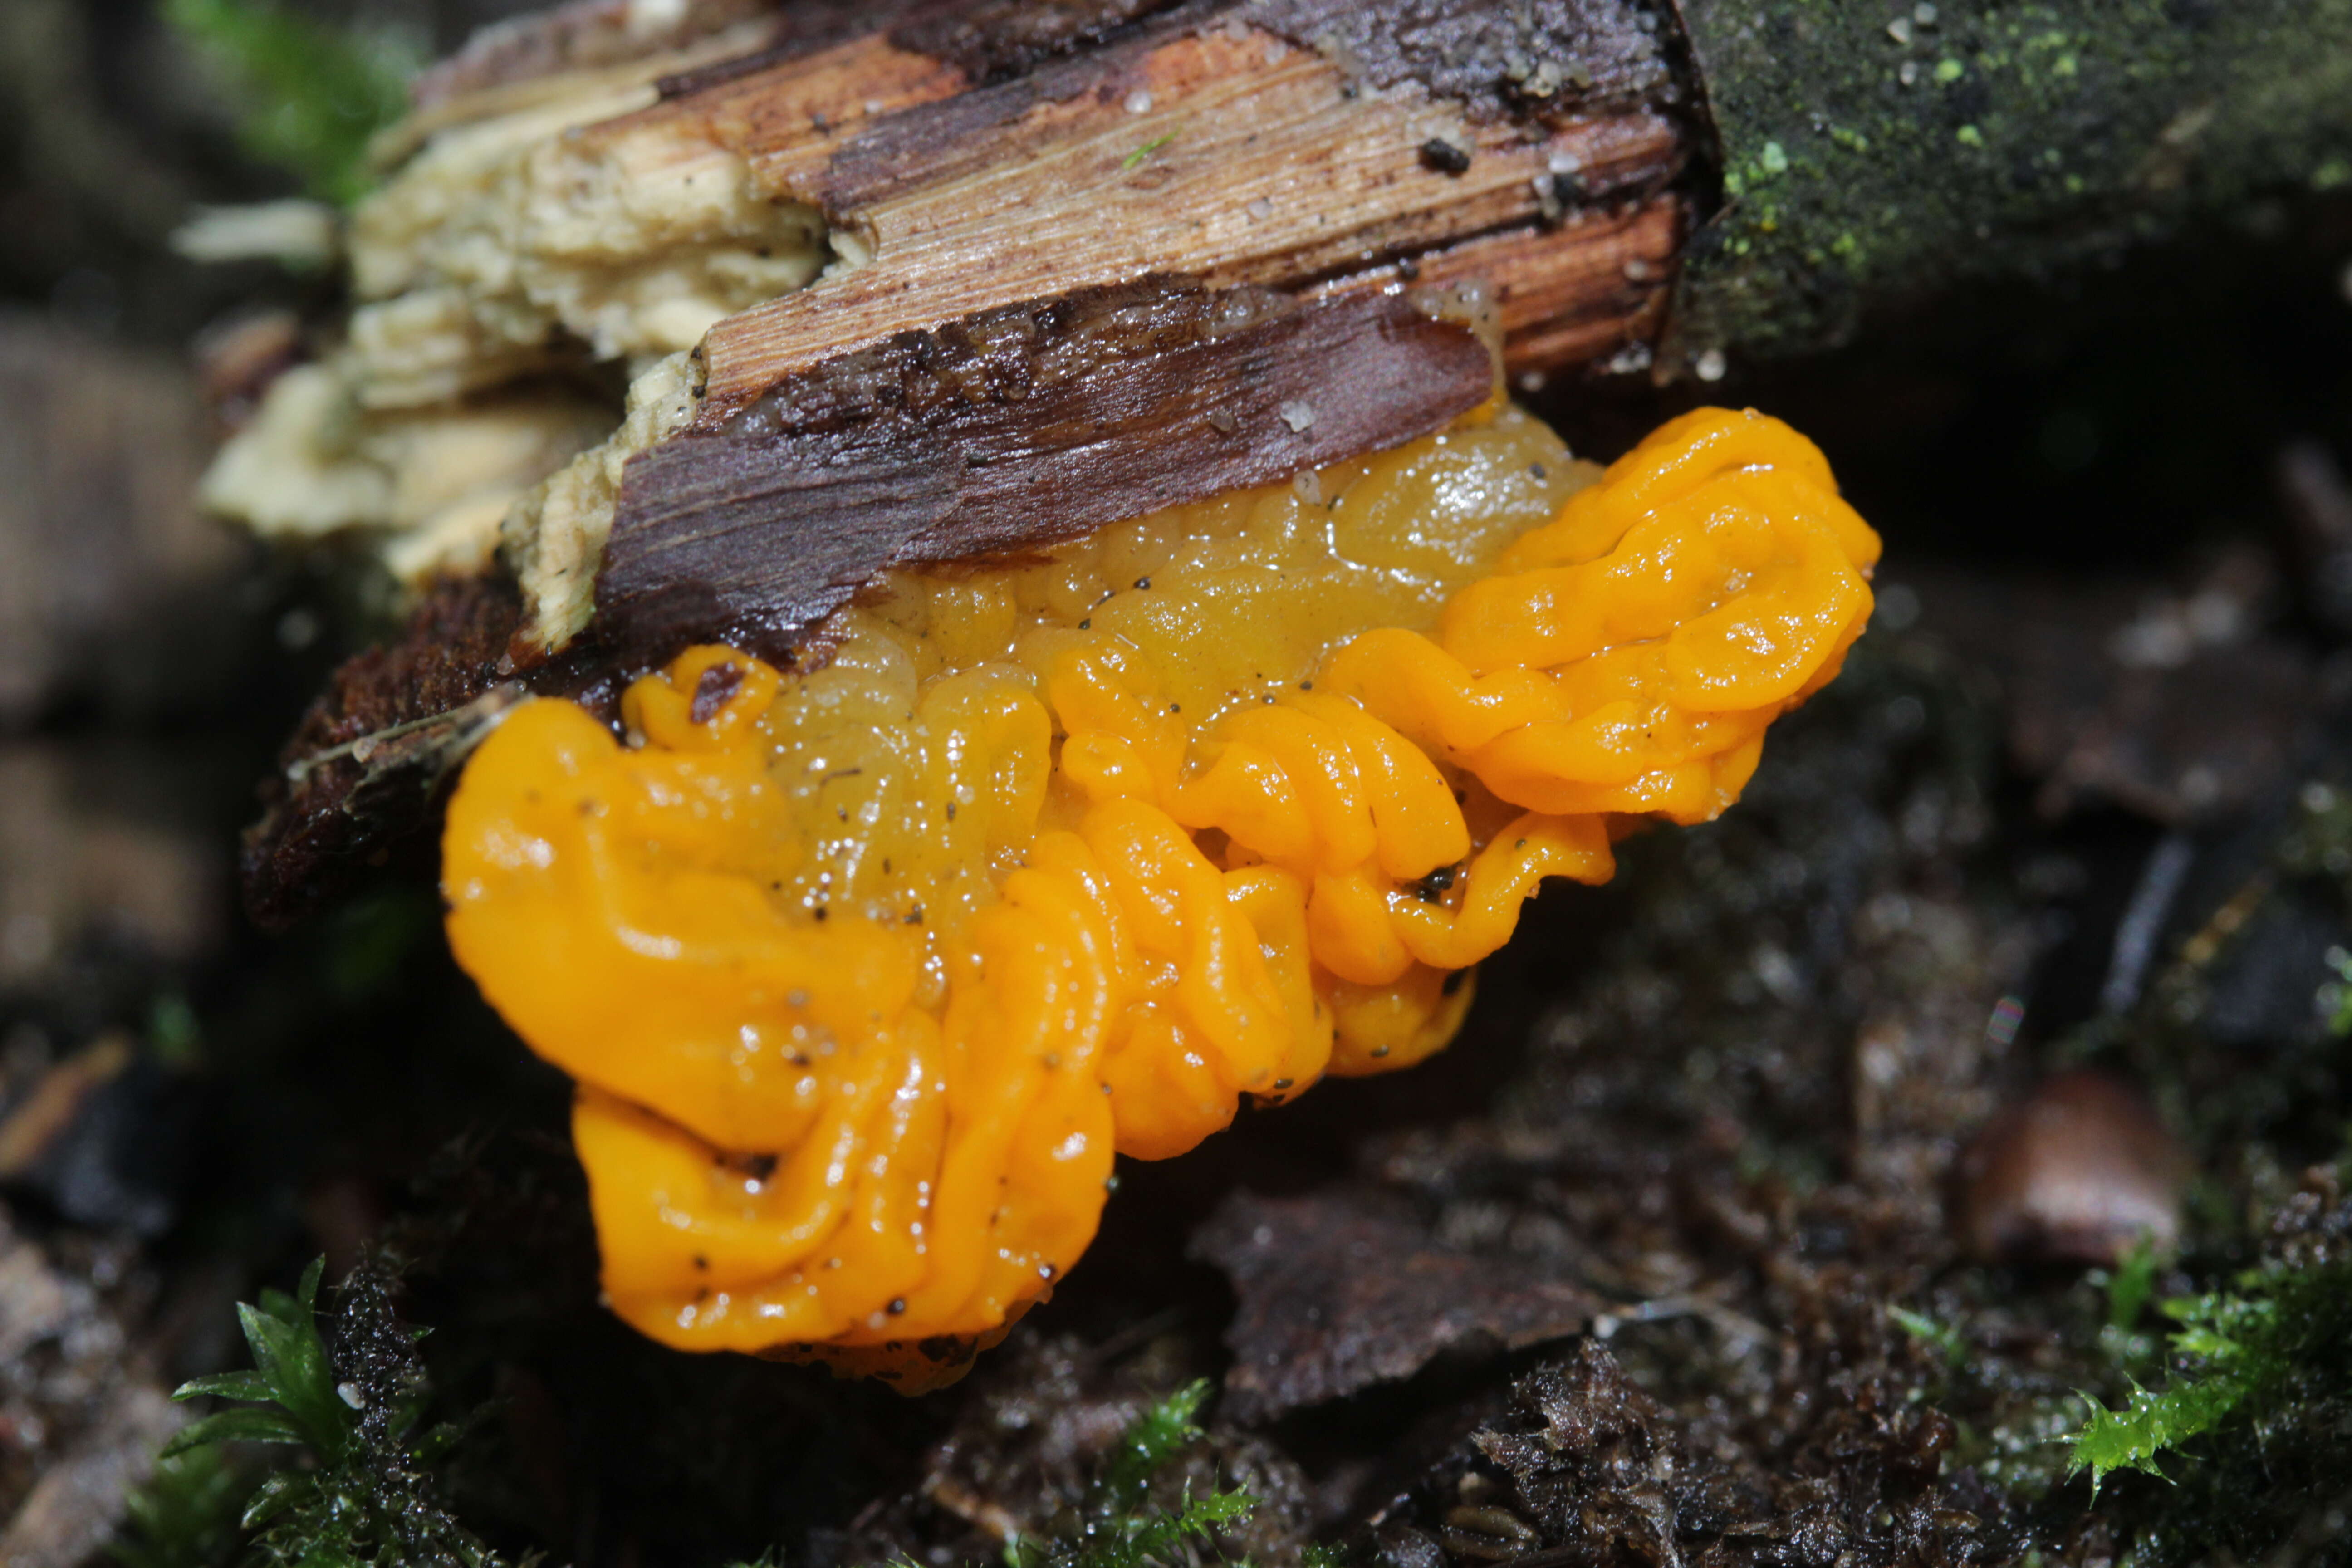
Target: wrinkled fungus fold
(867, 970)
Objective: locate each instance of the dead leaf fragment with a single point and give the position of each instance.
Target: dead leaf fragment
(1341, 1289)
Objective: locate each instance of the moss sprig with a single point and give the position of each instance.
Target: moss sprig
(187, 1514)
(1121, 1526)
(2235, 1354)
(358, 1492)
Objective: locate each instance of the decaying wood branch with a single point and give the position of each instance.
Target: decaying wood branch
(1007, 430)
(898, 235)
(1004, 431)
(1318, 149)
(1221, 151)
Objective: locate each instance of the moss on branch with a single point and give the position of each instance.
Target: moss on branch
(1891, 148)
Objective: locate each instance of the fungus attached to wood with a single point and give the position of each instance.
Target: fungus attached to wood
(868, 968)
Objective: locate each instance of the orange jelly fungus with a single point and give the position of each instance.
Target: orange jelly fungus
(866, 972)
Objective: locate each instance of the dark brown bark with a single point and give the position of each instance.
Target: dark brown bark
(1007, 430)
(339, 799)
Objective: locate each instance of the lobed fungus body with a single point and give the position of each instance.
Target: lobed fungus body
(866, 973)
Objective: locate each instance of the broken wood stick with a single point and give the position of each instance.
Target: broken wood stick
(885, 277)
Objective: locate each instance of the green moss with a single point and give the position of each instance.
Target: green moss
(358, 1493)
(2131, 1287)
(2149, 1423)
(186, 1515)
(1120, 1525)
(2001, 138)
(2238, 1356)
(309, 98)
(1942, 1338)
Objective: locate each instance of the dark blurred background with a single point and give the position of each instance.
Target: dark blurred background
(113, 126)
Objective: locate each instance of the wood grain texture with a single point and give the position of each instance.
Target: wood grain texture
(1222, 153)
(1585, 290)
(1007, 430)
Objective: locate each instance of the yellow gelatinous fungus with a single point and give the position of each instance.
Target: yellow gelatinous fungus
(867, 972)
